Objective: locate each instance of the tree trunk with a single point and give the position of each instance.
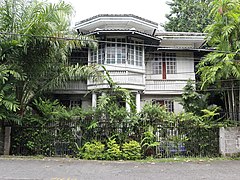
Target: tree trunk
(233, 102)
(229, 104)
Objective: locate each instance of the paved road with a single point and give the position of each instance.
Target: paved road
(69, 169)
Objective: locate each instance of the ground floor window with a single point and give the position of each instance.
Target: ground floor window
(169, 104)
(71, 103)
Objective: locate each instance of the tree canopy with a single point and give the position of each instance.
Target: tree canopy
(221, 68)
(188, 15)
(36, 41)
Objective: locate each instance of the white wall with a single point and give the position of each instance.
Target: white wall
(184, 65)
(148, 98)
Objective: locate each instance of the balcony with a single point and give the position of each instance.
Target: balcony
(125, 79)
(73, 87)
(165, 86)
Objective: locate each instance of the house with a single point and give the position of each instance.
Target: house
(153, 65)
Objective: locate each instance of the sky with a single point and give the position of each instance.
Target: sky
(153, 10)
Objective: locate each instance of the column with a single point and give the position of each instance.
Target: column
(94, 100)
(128, 108)
(138, 102)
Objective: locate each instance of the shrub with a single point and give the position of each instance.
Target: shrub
(93, 150)
(131, 150)
(113, 151)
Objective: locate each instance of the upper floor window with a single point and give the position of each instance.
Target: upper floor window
(139, 55)
(171, 63)
(118, 51)
(157, 64)
(164, 63)
(78, 56)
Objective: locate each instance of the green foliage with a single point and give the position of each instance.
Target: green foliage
(188, 15)
(40, 52)
(220, 69)
(48, 131)
(193, 101)
(131, 150)
(113, 150)
(148, 143)
(93, 150)
(56, 129)
(8, 104)
(153, 114)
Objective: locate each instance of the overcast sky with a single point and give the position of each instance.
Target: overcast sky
(153, 10)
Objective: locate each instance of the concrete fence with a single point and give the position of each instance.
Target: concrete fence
(229, 141)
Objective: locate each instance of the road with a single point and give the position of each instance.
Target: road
(70, 169)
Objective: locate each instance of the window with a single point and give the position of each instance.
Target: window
(171, 63)
(157, 64)
(101, 53)
(93, 57)
(169, 104)
(164, 63)
(111, 51)
(121, 51)
(75, 103)
(139, 55)
(118, 51)
(78, 56)
(131, 53)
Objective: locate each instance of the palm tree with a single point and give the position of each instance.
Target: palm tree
(37, 41)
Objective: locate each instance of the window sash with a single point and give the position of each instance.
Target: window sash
(169, 104)
(117, 51)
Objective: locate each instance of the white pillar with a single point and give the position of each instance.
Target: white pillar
(128, 108)
(138, 102)
(94, 100)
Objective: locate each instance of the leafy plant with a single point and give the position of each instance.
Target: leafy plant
(113, 150)
(131, 150)
(148, 143)
(93, 150)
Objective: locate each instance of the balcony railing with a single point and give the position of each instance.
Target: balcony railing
(74, 85)
(165, 85)
(123, 78)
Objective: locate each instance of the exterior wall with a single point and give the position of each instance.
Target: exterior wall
(86, 104)
(148, 98)
(229, 142)
(184, 65)
(174, 83)
(177, 107)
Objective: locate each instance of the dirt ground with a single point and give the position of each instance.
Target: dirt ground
(70, 169)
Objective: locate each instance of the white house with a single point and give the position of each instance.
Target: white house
(153, 65)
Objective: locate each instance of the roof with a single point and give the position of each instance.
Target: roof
(185, 49)
(116, 15)
(166, 33)
(132, 31)
(116, 21)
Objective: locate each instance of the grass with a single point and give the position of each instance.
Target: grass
(147, 160)
(188, 159)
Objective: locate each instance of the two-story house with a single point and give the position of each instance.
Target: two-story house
(153, 65)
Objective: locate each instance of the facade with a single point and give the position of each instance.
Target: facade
(153, 65)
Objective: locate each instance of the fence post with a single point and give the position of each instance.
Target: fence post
(1, 138)
(7, 141)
